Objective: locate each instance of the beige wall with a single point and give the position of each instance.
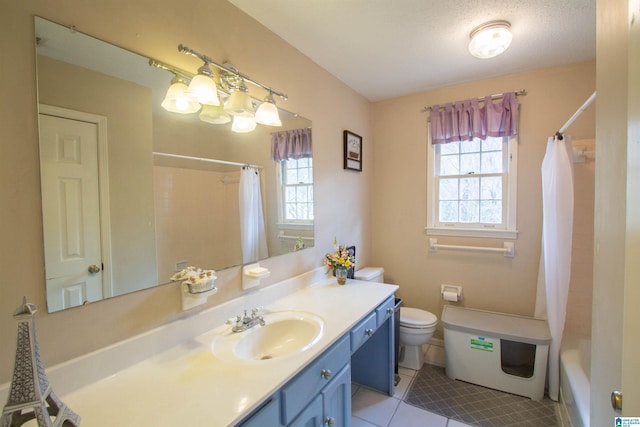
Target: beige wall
(223, 33)
(400, 245)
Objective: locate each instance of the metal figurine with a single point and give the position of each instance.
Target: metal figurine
(31, 395)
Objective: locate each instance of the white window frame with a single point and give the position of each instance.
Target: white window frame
(508, 230)
(284, 224)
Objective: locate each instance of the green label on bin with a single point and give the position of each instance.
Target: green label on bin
(481, 343)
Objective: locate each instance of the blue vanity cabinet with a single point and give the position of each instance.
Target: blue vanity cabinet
(336, 398)
(298, 393)
(320, 395)
(363, 331)
(311, 416)
(372, 364)
(267, 415)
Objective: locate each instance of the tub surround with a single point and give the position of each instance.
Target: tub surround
(184, 383)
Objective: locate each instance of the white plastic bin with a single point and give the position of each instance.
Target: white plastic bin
(496, 350)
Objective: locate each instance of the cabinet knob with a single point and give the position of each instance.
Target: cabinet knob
(390, 310)
(329, 422)
(326, 374)
(368, 332)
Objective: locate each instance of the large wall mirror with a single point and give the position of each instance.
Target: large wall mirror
(132, 193)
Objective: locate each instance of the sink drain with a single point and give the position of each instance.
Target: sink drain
(265, 357)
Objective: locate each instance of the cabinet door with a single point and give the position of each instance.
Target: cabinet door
(267, 415)
(336, 398)
(311, 416)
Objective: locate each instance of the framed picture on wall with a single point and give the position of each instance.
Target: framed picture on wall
(352, 151)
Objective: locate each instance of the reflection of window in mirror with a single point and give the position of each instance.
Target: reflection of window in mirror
(296, 191)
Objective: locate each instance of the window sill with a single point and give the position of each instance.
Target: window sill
(472, 232)
(294, 226)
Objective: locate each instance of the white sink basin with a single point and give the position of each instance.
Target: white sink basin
(284, 333)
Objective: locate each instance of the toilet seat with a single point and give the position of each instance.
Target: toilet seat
(414, 318)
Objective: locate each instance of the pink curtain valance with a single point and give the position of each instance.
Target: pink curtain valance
(291, 144)
(465, 120)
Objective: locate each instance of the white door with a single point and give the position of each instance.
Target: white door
(616, 298)
(71, 211)
(631, 325)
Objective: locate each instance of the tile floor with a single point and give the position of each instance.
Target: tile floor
(374, 409)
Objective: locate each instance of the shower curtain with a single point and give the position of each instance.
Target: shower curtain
(555, 257)
(252, 230)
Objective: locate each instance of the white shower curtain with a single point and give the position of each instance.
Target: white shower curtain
(252, 230)
(555, 257)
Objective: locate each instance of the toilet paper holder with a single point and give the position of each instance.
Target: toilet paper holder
(447, 291)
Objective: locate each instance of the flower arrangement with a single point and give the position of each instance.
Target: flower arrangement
(340, 257)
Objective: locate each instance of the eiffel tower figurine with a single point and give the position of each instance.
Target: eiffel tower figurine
(30, 388)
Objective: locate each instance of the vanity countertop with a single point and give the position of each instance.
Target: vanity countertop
(189, 385)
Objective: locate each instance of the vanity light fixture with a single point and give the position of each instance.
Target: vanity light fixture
(204, 87)
(179, 99)
(203, 90)
(239, 102)
(267, 113)
(243, 124)
(214, 114)
(490, 39)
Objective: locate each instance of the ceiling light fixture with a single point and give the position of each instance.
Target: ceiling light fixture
(490, 39)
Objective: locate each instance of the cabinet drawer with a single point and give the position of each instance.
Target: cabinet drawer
(385, 310)
(363, 331)
(296, 394)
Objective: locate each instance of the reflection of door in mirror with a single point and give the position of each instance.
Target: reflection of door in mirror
(69, 162)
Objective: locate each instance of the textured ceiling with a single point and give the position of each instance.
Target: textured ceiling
(388, 48)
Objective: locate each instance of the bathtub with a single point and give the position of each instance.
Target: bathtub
(575, 379)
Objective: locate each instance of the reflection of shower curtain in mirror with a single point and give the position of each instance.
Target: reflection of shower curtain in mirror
(252, 229)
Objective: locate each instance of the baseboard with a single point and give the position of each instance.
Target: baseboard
(434, 352)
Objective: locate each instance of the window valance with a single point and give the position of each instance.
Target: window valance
(291, 144)
(465, 120)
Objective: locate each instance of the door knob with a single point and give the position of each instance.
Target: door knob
(616, 400)
(93, 269)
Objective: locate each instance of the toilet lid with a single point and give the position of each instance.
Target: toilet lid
(415, 317)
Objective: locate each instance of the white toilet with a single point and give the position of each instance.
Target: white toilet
(416, 329)
(416, 326)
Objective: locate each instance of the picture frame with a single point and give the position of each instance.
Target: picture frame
(352, 151)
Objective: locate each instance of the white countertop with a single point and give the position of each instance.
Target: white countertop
(188, 385)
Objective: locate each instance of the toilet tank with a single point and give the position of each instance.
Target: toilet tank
(370, 274)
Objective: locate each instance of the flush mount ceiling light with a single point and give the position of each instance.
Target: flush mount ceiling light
(490, 39)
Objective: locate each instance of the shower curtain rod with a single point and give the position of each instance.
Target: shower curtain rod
(560, 133)
(204, 159)
(520, 92)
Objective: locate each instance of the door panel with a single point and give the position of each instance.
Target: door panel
(71, 211)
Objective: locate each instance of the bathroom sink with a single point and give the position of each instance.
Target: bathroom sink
(284, 333)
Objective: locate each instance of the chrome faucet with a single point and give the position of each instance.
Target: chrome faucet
(246, 321)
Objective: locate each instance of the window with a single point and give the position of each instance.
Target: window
(296, 191)
(472, 188)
